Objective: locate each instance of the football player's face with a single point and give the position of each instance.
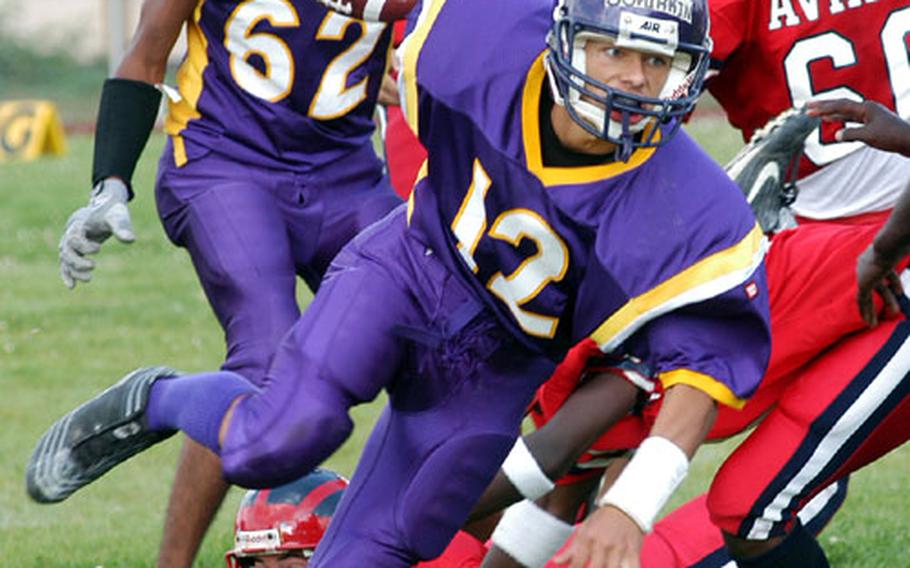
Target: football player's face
(625, 69)
(287, 560)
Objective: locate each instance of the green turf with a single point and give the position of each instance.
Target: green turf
(51, 73)
(58, 347)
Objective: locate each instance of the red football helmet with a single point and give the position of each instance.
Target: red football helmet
(289, 517)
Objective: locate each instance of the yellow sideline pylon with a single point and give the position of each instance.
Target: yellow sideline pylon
(29, 129)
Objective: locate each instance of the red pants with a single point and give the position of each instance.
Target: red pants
(686, 537)
(464, 551)
(835, 397)
(845, 410)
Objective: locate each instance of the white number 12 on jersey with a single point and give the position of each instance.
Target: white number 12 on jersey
(549, 264)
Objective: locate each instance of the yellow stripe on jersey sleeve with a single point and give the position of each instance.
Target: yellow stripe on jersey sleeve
(411, 48)
(705, 383)
(189, 82)
(705, 279)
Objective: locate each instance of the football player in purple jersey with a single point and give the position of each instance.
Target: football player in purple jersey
(268, 169)
(560, 201)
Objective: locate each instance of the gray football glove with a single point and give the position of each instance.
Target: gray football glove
(88, 227)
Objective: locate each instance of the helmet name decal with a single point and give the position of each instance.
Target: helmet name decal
(681, 9)
(250, 541)
(655, 35)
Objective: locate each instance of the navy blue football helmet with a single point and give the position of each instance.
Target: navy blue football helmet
(674, 28)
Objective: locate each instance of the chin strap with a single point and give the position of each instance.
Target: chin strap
(624, 151)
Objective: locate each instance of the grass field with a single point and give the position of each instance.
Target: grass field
(58, 347)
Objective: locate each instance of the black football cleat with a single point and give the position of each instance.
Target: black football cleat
(765, 169)
(84, 444)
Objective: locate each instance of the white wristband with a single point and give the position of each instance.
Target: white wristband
(645, 485)
(530, 535)
(524, 472)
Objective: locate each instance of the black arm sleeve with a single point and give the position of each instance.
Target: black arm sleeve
(126, 116)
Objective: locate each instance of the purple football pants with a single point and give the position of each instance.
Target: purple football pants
(250, 231)
(389, 315)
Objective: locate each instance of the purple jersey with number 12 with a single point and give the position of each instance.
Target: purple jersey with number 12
(277, 83)
(659, 256)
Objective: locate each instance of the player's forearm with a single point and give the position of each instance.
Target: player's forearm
(499, 494)
(662, 460)
(893, 241)
(685, 418)
(597, 404)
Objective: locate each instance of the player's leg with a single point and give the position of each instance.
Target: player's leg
(813, 305)
(230, 219)
(345, 348)
(847, 409)
(686, 538)
(341, 352)
(249, 235)
(197, 404)
(460, 388)
(348, 196)
(436, 447)
(812, 287)
(196, 495)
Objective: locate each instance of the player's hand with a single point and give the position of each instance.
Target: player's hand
(876, 274)
(607, 539)
(88, 227)
(880, 127)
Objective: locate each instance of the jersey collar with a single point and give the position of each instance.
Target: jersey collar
(530, 127)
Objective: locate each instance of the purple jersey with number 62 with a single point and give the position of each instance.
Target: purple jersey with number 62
(277, 83)
(659, 256)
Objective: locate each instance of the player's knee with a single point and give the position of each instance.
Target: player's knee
(726, 508)
(251, 365)
(289, 448)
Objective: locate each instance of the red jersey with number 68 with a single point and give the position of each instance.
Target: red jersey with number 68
(774, 54)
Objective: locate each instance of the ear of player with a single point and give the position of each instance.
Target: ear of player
(371, 10)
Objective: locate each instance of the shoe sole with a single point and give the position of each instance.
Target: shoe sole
(53, 473)
(760, 167)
